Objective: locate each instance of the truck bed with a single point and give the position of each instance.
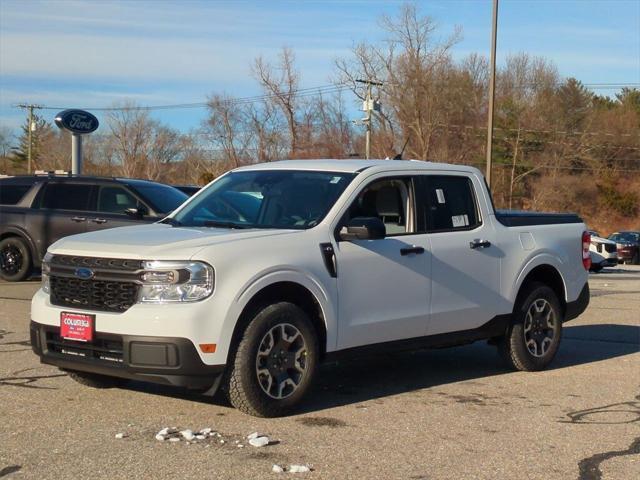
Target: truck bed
(520, 218)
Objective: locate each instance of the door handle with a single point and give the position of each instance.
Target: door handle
(78, 219)
(410, 250)
(479, 244)
(99, 220)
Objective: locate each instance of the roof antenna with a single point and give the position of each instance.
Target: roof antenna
(399, 156)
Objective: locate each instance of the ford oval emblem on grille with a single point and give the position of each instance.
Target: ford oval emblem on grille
(84, 273)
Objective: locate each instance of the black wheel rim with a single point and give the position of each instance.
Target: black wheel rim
(540, 325)
(281, 361)
(11, 259)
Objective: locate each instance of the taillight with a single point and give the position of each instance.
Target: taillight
(586, 256)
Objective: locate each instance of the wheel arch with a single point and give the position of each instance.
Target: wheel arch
(547, 274)
(18, 232)
(283, 290)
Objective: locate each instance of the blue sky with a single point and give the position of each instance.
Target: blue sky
(95, 53)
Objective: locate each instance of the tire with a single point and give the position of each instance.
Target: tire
(636, 259)
(526, 345)
(94, 380)
(251, 384)
(15, 259)
(595, 268)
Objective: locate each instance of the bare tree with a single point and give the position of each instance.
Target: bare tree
(280, 82)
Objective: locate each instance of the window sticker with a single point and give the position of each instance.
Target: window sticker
(460, 220)
(335, 179)
(440, 195)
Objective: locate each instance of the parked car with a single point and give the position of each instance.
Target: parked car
(276, 267)
(628, 244)
(188, 189)
(603, 252)
(36, 211)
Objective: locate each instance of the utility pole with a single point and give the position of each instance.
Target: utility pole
(492, 89)
(30, 131)
(368, 106)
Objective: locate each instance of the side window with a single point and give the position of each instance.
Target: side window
(390, 200)
(447, 203)
(12, 194)
(67, 196)
(113, 199)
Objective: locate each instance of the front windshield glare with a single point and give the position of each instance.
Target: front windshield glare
(265, 199)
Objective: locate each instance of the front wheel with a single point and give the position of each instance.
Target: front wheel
(533, 338)
(15, 259)
(274, 363)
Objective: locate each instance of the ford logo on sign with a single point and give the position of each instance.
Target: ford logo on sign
(77, 121)
(84, 273)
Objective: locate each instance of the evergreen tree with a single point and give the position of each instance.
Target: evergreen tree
(41, 130)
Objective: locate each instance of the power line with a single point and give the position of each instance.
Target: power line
(298, 93)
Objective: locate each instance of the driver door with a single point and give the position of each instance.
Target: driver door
(383, 285)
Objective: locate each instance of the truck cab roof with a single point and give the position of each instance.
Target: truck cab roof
(354, 166)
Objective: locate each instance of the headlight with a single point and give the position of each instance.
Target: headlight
(45, 273)
(170, 282)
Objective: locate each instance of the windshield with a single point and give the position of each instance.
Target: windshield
(162, 198)
(265, 199)
(625, 237)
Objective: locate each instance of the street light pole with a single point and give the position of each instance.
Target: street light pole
(492, 88)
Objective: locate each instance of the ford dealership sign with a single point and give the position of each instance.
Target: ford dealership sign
(77, 121)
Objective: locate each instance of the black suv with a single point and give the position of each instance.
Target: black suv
(35, 211)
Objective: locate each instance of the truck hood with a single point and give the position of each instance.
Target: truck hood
(602, 240)
(157, 241)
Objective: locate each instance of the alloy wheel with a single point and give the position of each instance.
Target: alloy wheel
(540, 326)
(281, 361)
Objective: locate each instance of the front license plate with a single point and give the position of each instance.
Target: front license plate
(77, 326)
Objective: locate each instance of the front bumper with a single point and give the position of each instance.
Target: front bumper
(165, 360)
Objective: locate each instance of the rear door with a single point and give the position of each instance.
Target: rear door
(465, 256)
(63, 210)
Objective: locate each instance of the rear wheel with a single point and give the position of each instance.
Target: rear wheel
(94, 380)
(533, 338)
(275, 362)
(636, 259)
(15, 259)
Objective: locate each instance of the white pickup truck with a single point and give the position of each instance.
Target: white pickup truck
(274, 268)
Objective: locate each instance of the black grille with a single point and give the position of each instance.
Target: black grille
(113, 286)
(96, 262)
(610, 248)
(93, 294)
(103, 350)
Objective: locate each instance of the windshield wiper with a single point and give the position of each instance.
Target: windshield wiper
(221, 224)
(171, 221)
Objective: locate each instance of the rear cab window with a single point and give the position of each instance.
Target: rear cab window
(446, 203)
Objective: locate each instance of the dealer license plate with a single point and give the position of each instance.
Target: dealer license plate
(77, 326)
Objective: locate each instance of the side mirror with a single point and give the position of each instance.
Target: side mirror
(363, 228)
(138, 212)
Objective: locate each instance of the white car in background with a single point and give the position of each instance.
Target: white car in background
(604, 253)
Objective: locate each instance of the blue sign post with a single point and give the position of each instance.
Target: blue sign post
(79, 123)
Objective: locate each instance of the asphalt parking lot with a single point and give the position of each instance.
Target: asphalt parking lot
(439, 414)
